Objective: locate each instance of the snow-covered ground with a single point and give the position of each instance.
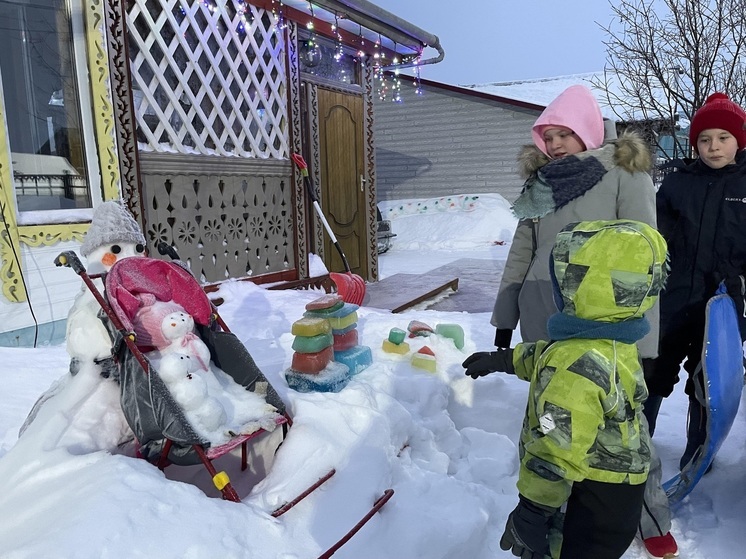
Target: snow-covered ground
(444, 443)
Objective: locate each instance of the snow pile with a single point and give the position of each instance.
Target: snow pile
(446, 444)
(458, 222)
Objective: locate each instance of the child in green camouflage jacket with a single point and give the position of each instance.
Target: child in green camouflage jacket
(582, 445)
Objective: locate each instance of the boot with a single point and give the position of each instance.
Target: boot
(650, 410)
(696, 433)
(661, 547)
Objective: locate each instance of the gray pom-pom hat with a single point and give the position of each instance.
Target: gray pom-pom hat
(112, 223)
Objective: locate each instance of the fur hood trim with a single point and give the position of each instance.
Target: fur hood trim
(631, 154)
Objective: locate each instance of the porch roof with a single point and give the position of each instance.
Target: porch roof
(372, 23)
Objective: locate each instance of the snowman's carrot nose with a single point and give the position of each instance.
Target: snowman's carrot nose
(108, 259)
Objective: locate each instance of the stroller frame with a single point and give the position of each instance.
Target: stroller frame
(206, 454)
(203, 452)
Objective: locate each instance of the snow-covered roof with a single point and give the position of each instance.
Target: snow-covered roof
(541, 91)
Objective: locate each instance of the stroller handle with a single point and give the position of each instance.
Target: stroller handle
(70, 260)
(166, 249)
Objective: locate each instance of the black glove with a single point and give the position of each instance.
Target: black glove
(483, 363)
(503, 336)
(527, 530)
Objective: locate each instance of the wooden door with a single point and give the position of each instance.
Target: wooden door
(343, 199)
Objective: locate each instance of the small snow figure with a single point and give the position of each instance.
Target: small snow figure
(178, 329)
(167, 327)
(174, 366)
(186, 382)
(183, 358)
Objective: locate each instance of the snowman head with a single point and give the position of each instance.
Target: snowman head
(154, 316)
(114, 234)
(177, 325)
(103, 258)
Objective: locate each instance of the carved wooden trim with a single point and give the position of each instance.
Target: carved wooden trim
(124, 114)
(370, 172)
(296, 139)
(312, 123)
(103, 111)
(10, 263)
(223, 225)
(48, 235)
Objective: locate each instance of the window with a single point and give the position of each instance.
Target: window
(42, 104)
(324, 58)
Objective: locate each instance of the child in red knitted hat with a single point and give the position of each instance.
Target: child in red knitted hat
(716, 132)
(701, 213)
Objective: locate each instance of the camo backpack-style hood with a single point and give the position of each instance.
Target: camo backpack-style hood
(608, 271)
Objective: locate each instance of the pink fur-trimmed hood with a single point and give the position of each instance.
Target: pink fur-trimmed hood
(577, 109)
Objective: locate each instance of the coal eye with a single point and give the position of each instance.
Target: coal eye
(116, 249)
(139, 248)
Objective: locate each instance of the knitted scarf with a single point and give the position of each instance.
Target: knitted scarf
(562, 326)
(562, 180)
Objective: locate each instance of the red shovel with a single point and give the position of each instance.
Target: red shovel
(350, 287)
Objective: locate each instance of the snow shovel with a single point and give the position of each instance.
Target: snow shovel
(350, 287)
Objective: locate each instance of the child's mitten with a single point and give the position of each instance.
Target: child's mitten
(483, 363)
(527, 530)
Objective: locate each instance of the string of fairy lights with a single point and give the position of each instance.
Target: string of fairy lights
(388, 82)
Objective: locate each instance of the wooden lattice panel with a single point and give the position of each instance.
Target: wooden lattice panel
(208, 78)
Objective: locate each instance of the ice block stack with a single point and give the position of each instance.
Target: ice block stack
(342, 318)
(313, 368)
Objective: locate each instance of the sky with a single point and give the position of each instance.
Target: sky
(499, 40)
(71, 487)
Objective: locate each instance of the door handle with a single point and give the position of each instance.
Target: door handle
(362, 183)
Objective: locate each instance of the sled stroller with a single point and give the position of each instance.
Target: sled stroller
(163, 431)
(164, 434)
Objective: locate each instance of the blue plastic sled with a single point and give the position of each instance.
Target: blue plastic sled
(722, 370)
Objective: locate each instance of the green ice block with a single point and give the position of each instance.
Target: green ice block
(396, 335)
(452, 331)
(312, 344)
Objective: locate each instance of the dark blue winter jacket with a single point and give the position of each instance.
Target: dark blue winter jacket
(702, 216)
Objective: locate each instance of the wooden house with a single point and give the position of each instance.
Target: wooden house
(188, 111)
(433, 139)
(439, 140)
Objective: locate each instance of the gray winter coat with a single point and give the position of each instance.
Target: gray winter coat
(624, 191)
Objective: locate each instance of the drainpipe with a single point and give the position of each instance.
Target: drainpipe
(394, 27)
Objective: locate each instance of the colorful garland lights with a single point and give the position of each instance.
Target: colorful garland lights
(387, 81)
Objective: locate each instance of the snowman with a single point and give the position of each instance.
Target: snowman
(183, 360)
(114, 234)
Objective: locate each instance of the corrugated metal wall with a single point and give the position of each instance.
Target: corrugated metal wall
(445, 142)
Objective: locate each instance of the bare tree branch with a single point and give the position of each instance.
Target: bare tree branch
(665, 57)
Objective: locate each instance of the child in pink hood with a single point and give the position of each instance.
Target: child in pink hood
(575, 116)
(577, 170)
(571, 175)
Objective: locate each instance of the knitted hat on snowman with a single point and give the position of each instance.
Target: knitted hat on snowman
(112, 223)
(148, 321)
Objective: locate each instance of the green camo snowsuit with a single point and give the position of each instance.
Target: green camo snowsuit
(587, 387)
